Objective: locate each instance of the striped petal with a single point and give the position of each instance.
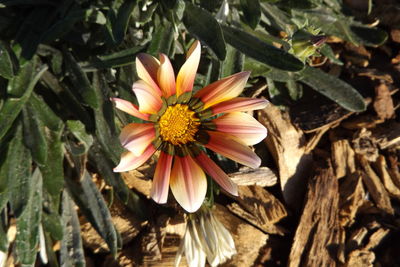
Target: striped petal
(223, 90)
(188, 183)
(216, 173)
(149, 101)
(147, 68)
(130, 162)
(241, 125)
(239, 104)
(129, 108)
(230, 147)
(166, 76)
(187, 73)
(137, 136)
(159, 189)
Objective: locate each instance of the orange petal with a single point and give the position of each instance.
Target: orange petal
(130, 162)
(239, 104)
(147, 68)
(166, 76)
(187, 73)
(223, 90)
(217, 173)
(230, 147)
(160, 186)
(188, 183)
(243, 126)
(137, 136)
(129, 108)
(149, 101)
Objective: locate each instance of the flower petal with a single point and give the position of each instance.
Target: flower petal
(187, 73)
(159, 189)
(129, 108)
(149, 101)
(217, 173)
(130, 162)
(137, 136)
(230, 147)
(166, 76)
(147, 68)
(242, 126)
(223, 90)
(188, 183)
(239, 104)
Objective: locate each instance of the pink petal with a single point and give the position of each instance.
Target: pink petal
(230, 147)
(137, 136)
(239, 104)
(188, 183)
(241, 125)
(147, 68)
(159, 189)
(187, 73)
(149, 100)
(130, 162)
(223, 90)
(129, 108)
(217, 173)
(166, 76)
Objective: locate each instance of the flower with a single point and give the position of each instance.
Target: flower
(205, 237)
(180, 123)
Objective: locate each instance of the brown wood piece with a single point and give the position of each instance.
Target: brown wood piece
(343, 158)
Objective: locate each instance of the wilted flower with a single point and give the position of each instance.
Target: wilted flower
(179, 124)
(205, 238)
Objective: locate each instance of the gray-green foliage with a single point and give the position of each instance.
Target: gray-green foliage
(61, 62)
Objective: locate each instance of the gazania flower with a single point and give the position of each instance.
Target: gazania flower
(205, 238)
(181, 123)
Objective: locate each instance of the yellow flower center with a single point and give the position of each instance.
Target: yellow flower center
(178, 125)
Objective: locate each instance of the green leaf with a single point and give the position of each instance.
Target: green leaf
(92, 205)
(261, 51)
(3, 234)
(369, 36)
(203, 25)
(233, 62)
(327, 51)
(79, 131)
(252, 12)
(277, 18)
(45, 113)
(334, 89)
(120, 22)
(12, 106)
(162, 40)
(28, 223)
(52, 224)
(71, 251)
(80, 81)
(34, 137)
(8, 61)
(19, 173)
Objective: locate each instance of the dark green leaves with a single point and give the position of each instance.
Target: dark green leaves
(333, 88)
(252, 12)
(8, 61)
(263, 52)
(118, 22)
(201, 23)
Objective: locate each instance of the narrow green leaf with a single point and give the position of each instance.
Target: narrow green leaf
(204, 26)
(52, 224)
(71, 251)
(8, 61)
(261, 51)
(34, 137)
(80, 81)
(45, 113)
(162, 40)
(233, 62)
(333, 88)
(91, 203)
(327, 51)
(28, 223)
(252, 12)
(3, 234)
(121, 23)
(12, 106)
(19, 173)
(369, 36)
(79, 131)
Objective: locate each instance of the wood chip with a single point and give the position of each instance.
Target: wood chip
(387, 134)
(365, 144)
(319, 231)
(343, 158)
(287, 145)
(376, 238)
(375, 186)
(260, 208)
(356, 239)
(382, 169)
(262, 176)
(360, 258)
(352, 195)
(383, 102)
